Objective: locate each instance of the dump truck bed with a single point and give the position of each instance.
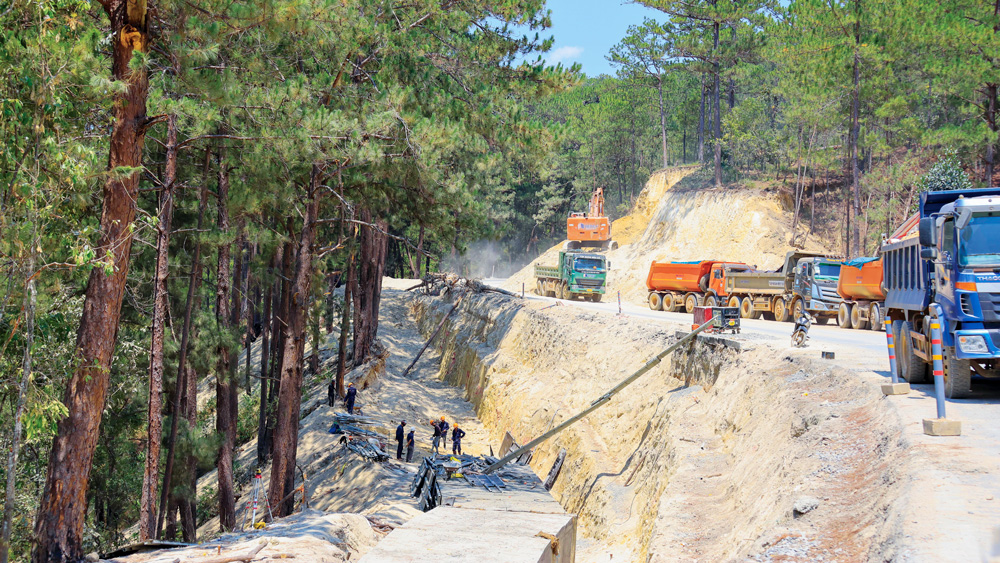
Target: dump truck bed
(677, 276)
(766, 283)
(547, 271)
(861, 279)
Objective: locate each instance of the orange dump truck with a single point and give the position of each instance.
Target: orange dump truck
(676, 285)
(864, 297)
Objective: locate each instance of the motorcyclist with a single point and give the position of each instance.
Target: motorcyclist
(802, 324)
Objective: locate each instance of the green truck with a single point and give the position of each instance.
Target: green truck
(579, 274)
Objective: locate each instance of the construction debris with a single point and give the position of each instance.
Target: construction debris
(442, 283)
(370, 448)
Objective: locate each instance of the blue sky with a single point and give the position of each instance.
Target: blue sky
(584, 31)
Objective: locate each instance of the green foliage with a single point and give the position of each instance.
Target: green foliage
(946, 174)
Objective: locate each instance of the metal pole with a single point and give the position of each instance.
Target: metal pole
(892, 355)
(600, 401)
(938, 361)
(619, 302)
(522, 290)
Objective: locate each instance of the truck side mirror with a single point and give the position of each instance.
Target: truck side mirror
(929, 253)
(927, 232)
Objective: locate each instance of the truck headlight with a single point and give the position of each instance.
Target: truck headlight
(972, 344)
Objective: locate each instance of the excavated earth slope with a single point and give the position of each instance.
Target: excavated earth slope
(705, 458)
(674, 220)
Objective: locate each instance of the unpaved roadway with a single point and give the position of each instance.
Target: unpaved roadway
(952, 510)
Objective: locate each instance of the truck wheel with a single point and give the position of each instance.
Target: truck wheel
(957, 375)
(690, 302)
(539, 288)
(669, 304)
(561, 291)
(875, 317)
(857, 323)
(797, 310)
(780, 310)
(596, 298)
(822, 320)
(746, 308)
(703, 283)
(711, 301)
(911, 367)
(734, 302)
(655, 301)
(844, 316)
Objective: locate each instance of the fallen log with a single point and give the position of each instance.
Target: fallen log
(433, 336)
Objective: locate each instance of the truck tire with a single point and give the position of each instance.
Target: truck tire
(539, 288)
(669, 303)
(780, 310)
(703, 283)
(911, 368)
(875, 319)
(857, 323)
(746, 308)
(655, 301)
(957, 375)
(690, 302)
(844, 316)
(596, 297)
(734, 302)
(711, 301)
(561, 291)
(797, 309)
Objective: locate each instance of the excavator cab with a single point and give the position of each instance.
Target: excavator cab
(591, 230)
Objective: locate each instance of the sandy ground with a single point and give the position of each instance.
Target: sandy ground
(338, 480)
(704, 458)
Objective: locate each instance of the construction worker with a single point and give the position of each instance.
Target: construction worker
(331, 393)
(456, 440)
(436, 439)
(410, 444)
(352, 392)
(443, 424)
(399, 439)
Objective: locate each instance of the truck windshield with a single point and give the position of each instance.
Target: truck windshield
(978, 240)
(594, 264)
(827, 270)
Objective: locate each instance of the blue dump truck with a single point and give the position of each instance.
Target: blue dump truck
(950, 271)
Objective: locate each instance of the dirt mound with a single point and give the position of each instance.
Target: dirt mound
(675, 218)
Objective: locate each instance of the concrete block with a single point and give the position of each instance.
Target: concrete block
(942, 427)
(901, 388)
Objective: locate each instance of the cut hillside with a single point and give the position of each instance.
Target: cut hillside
(677, 218)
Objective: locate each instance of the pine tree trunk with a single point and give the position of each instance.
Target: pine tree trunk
(368, 292)
(991, 123)
(717, 103)
(225, 424)
(147, 504)
(855, 245)
(415, 259)
(30, 300)
(263, 448)
(701, 123)
(314, 357)
(188, 504)
(286, 432)
(62, 509)
(331, 285)
(182, 353)
(345, 325)
(663, 120)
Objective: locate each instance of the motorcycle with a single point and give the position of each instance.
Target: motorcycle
(800, 335)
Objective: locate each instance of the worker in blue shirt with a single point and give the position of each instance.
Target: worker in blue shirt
(410, 444)
(456, 440)
(352, 392)
(399, 439)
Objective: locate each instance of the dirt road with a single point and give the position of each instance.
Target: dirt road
(953, 499)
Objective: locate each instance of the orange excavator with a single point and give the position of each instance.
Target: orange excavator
(590, 230)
